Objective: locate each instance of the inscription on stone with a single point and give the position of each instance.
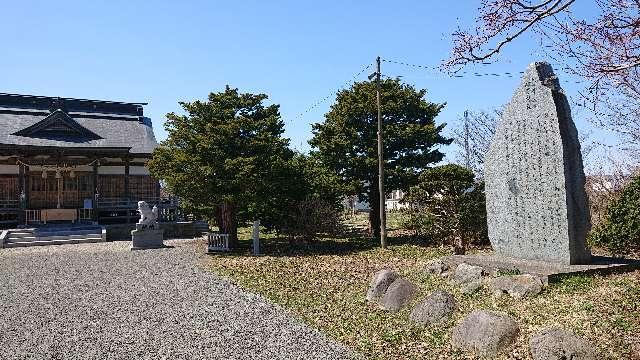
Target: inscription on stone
(536, 202)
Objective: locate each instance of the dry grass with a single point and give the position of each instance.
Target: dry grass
(324, 284)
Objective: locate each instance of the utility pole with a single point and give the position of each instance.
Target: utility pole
(467, 151)
(383, 215)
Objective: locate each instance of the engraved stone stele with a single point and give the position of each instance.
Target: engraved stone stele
(147, 234)
(536, 202)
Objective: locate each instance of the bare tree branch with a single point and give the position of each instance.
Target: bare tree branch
(605, 51)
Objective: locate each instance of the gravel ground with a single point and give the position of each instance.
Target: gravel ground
(102, 301)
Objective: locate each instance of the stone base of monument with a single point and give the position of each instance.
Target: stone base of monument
(547, 271)
(147, 239)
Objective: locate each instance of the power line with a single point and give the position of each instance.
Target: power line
(461, 74)
(438, 75)
(434, 73)
(348, 83)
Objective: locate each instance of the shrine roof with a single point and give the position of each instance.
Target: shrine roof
(64, 122)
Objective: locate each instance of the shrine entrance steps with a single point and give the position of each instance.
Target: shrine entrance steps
(53, 234)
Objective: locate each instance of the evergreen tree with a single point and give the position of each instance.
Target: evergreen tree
(346, 141)
(226, 158)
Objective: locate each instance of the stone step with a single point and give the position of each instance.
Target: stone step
(56, 235)
(19, 235)
(53, 235)
(53, 238)
(69, 232)
(21, 238)
(68, 237)
(51, 242)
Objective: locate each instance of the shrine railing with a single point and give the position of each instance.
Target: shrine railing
(9, 204)
(31, 216)
(124, 210)
(85, 214)
(217, 242)
(120, 202)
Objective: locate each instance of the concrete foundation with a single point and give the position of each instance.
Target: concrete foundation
(547, 271)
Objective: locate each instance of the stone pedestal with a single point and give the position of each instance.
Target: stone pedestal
(147, 239)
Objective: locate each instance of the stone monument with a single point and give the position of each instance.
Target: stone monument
(536, 202)
(147, 234)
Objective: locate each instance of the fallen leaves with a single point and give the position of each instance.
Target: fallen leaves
(325, 284)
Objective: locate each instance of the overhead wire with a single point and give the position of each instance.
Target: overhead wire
(460, 74)
(433, 72)
(348, 83)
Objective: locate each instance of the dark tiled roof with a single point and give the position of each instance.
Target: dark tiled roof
(114, 129)
(70, 105)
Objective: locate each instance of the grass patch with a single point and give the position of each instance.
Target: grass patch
(324, 284)
(573, 283)
(507, 272)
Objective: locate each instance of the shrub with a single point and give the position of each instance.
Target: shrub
(619, 232)
(308, 202)
(448, 206)
(601, 190)
(307, 219)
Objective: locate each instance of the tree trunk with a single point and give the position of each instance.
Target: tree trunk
(374, 214)
(226, 219)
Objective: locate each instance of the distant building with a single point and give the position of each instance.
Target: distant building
(83, 158)
(394, 200)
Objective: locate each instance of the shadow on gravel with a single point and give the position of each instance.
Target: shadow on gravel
(337, 245)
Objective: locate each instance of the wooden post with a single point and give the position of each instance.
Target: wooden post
(256, 237)
(157, 188)
(127, 194)
(58, 179)
(383, 215)
(59, 187)
(21, 191)
(94, 203)
(25, 186)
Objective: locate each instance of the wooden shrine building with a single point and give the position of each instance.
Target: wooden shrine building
(73, 159)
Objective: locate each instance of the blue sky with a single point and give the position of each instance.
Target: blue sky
(297, 52)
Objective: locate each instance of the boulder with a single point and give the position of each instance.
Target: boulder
(380, 282)
(485, 333)
(558, 344)
(434, 308)
(399, 294)
(518, 286)
(466, 273)
(436, 267)
(471, 287)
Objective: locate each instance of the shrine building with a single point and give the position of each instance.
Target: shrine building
(73, 160)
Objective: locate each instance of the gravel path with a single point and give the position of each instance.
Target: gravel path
(102, 301)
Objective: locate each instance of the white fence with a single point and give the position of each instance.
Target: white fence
(85, 214)
(217, 242)
(31, 216)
